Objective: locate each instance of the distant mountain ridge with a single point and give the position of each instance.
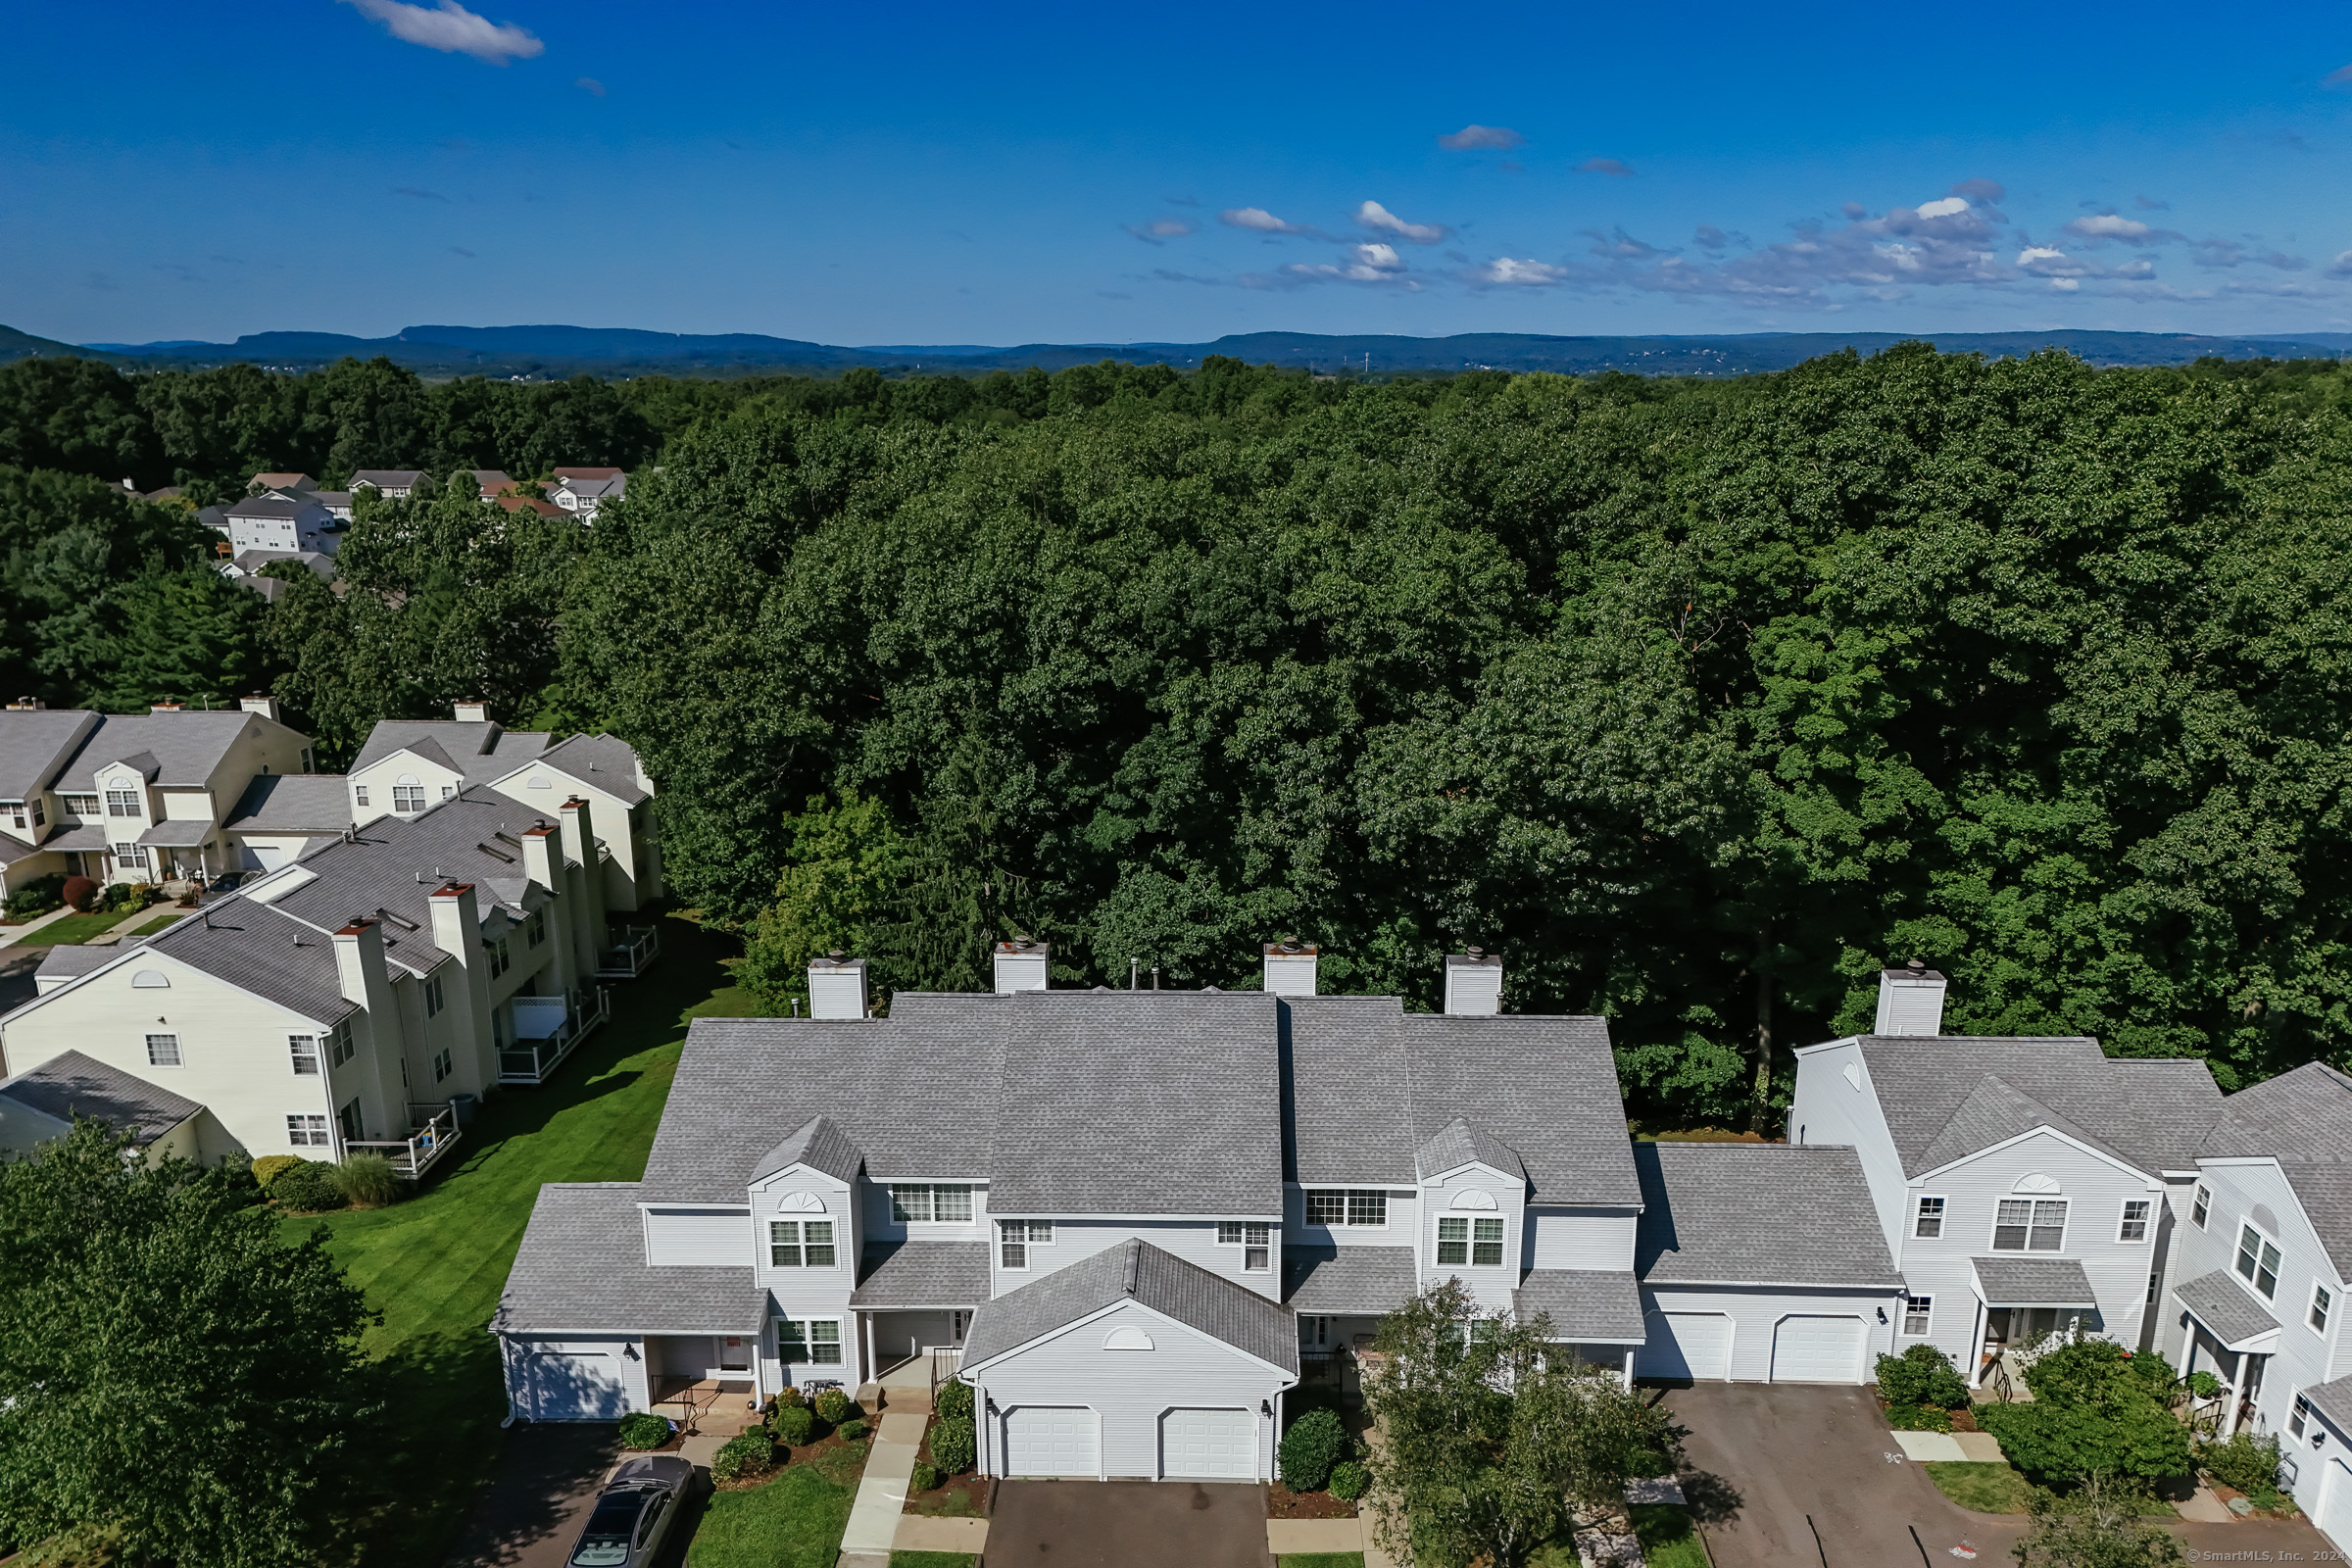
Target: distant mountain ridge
(557, 350)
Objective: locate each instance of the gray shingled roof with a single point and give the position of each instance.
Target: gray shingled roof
(73, 959)
(1344, 1120)
(71, 1085)
(2334, 1402)
(1758, 1214)
(2224, 1306)
(481, 752)
(36, 745)
(601, 762)
(2018, 1279)
(1586, 1306)
(1347, 1279)
(820, 1144)
(178, 832)
(1135, 1270)
(2303, 1119)
(2324, 1187)
(922, 1274)
(2152, 1113)
(582, 1270)
(1995, 1113)
(1136, 1102)
(293, 803)
(396, 478)
(184, 747)
(1458, 1144)
(265, 950)
(13, 850)
(1544, 1086)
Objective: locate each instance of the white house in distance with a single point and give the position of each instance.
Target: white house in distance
(408, 765)
(286, 524)
(1144, 1226)
(2023, 1186)
(340, 1001)
(583, 490)
(131, 798)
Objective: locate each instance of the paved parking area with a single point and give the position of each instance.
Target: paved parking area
(1129, 1524)
(539, 1496)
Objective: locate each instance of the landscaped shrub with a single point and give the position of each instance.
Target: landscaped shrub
(851, 1431)
(788, 1396)
(832, 1407)
(124, 897)
(1922, 1375)
(2204, 1385)
(953, 1400)
(1919, 1418)
(80, 892)
(955, 1445)
(269, 1167)
(37, 897)
(367, 1180)
(1311, 1446)
(740, 1459)
(2245, 1463)
(309, 1187)
(2095, 1410)
(925, 1478)
(796, 1424)
(1350, 1480)
(643, 1429)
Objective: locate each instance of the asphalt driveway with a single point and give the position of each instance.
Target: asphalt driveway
(547, 1480)
(1129, 1524)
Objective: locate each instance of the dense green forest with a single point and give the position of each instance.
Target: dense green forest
(1699, 700)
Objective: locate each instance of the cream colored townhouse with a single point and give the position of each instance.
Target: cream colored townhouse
(409, 764)
(133, 797)
(344, 1001)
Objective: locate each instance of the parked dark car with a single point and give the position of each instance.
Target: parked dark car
(635, 1514)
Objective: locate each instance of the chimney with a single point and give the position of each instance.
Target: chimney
(1473, 983)
(456, 924)
(266, 707)
(1020, 966)
(1291, 968)
(26, 705)
(476, 713)
(360, 962)
(165, 707)
(836, 986)
(539, 858)
(1910, 1000)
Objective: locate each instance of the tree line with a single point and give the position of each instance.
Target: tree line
(1699, 700)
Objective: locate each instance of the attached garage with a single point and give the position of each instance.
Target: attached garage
(563, 1384)
(1048, 1440)
(1817, 1348)
(1696, 1346)
(1208, 1446)
(2333, 1511)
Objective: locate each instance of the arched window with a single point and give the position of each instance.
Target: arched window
(408, 794)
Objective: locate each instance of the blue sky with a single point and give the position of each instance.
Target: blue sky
(921, 173)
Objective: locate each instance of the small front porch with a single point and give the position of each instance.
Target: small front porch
(2233, 1338)
(548, 1029)
(434, 1133)
(699, 1380)
(2023, 1304)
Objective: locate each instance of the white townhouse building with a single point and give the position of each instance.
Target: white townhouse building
(341, 1000)
(282, 524)
(2023, 1186)
(131, 798)
(409, 764)
(582, 490)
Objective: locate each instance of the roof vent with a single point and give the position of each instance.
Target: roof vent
(1910, 1000)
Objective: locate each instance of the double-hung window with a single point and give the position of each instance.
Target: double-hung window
(307, 1132)
(2299, 1416)
(800, 1243)
(132, 856)
(122, 803)
(1928, 1222)
(2257, 1260)
(433, 996)
(163, 1051)
(408, 794)
(1255, 1241)
(809, 1342)
(2321, 1305)
(85, 806)
(339, 1049)
(2201, 1208)
(359, 794)
(536, 930)
(1918, 1312)
(2134, 1227)
(2029, 1225)
(1476, 1242)
(930, 1203)
(443, 1065)
(1340, 1205)
(1017, 1236)
(305, 1051)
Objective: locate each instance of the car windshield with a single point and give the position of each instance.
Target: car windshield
(605, 1543)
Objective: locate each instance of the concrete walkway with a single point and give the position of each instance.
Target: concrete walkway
(881, 1502)
(1287, 1535)
(10, 935)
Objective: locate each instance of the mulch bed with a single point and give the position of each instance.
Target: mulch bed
(1964, 1420)
(2227, 1493)
(964, 1496)
(1284, 1503)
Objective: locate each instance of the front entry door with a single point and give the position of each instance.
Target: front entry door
(734, 1354)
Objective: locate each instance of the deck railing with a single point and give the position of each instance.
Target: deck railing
(531, 1062)
(630, 957)
(435, 1134)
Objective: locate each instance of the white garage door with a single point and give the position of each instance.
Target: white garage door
(2333, 1511)
(1047, 1440)
(1209, 1445)
(1686, 1345)
(1816, 1350)
(572, 1386)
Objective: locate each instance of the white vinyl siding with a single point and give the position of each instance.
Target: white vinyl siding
(1581, 1237)
(1194, 1241)
(708, 1238)
(1828, 1109)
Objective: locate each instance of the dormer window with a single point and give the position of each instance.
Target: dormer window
(1332, 1206)
(1476, 1243)
(924, 1203)
(2257, 1261)
(800, 1243)
(408, 794)
(122, 803)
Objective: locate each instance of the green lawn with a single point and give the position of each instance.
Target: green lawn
(957, 1559)
(151, 927)
(1667, 1535)
(75, 929)
(795, 1521)
(1990, 1488)
(433, 1266)
(1295, 1559)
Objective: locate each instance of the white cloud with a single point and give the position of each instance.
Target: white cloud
(2100, 227)
(1471, 138)
(1160, 230)
(1508, 271)
(1980, 190)
(1944, 206)
(1366, 263)
(1374, 215)
(2341, 266)
(1259, 221)
(1604, 166)
(2068, 284)
(591, 87)
(453, 29)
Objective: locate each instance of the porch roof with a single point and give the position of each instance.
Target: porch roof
(1587, 1306)
(1350, 1280)
(2228, 1314)
(177, 833)
(2333, 1402)
(2018, 1281)
(922, 1274)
